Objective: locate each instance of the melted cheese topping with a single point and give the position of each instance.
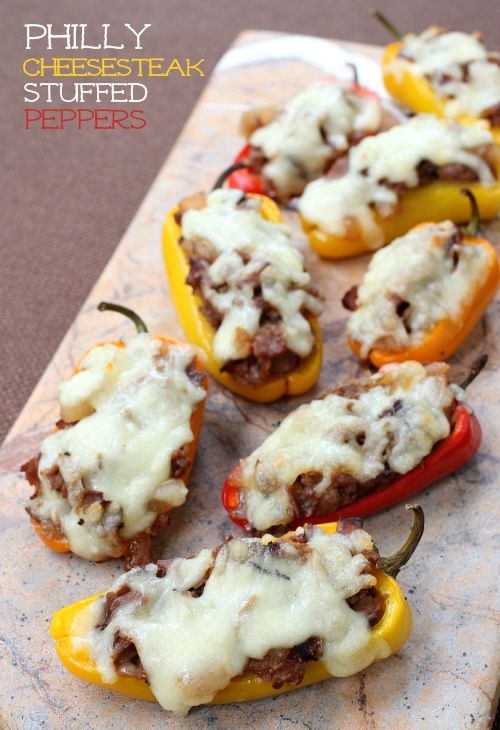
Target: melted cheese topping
(254, 600)
(457, 65)
(134, 403)
(313, 126)
(248, 250)
(420, 269)
(391, 157)
(322, 436)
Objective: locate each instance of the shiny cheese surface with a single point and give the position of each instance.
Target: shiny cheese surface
(313, 126)
(249, 251)
(336, 434)
(457, 65)
(430, 269)
(391, 157)
(133, 402)
(255, 599)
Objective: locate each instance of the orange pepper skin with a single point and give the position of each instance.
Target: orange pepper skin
(201, 333)
(414, 91)
(448, 335)
(52, 539)
(69, 625)
(57, 541)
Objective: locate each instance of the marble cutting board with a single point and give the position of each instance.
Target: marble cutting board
(446, 676)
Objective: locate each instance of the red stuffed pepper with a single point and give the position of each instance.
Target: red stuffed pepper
(290, 145)
(365, 445)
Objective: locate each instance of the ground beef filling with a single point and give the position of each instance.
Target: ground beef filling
(30, 471)
(343, 489)
(279, 666)
(286, 666)
(492, 114)
(270, 357)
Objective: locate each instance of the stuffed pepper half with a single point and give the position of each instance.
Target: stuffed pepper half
(250, 619)
(242, 293)
(444, 72)
(122, 452)
(364, 446)
(423, 294)
(399, 178)
(291, 145)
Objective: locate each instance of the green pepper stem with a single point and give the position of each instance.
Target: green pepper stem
(472, 227)
(394, 563)
(475, 369)
(387, 24)
(355, 76)
(227, 172)
(110, 307)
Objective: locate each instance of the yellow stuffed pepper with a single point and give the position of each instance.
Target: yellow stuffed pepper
(397, 179)
(242, 293)
(251, 619)
(447, 73)
(423, 294)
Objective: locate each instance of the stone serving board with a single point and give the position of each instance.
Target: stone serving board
(445, 677)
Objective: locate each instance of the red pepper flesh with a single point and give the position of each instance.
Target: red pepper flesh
(244, 179)
(449, 455)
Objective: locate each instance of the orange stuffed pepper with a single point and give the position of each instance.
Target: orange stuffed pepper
(121, 454)
(423, 294)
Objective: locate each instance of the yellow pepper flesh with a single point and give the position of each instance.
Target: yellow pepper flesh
(70, 624)
(414, 91)
(201, 333)
(448, 335)
(439, 200)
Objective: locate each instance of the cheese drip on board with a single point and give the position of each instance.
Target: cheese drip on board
(392, 423)
(255, 598)
(314, 126)
(106, 477)
(248, 252)
(457, 65)
(431, 272)
(379, 164)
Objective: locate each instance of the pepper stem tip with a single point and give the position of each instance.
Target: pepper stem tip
(393, 564)
(474, 371)
(110, 307)
(227, 172)
(355, 75)
(387, 24)
(472, 227)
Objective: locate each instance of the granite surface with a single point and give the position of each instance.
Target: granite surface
(446, 675)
